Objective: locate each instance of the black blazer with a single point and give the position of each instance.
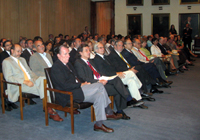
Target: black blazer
(111, 48)
(73, 56)
(3, 55)
(163, 50)
(131, 58)
(187, 35)
(26, 55)
(64, 79)
(84, 71)
(103, 66)
(117, 62)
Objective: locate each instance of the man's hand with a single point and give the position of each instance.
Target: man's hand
(86, 83)
(104, 82)
(121, 75)
(132, 69)
(28, 83)
(154, 55)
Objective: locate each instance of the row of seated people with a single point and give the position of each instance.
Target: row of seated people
(75, 71)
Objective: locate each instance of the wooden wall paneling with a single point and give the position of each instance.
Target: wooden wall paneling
(24, 11)
(10, 20)
(103, 18)
(45, 19)
(67, 18)
(1, 19)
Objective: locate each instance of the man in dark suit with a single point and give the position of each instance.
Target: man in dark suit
(128, 77)
(28, 51)
(3, 55)
(64, 78)
(187, 36)
(87, 71)
(6, 53)
(121, 64)
(1, 44)
(74, 53)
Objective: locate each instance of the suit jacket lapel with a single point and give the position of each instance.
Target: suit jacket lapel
(39, 57)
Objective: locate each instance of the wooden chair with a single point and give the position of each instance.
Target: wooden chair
(22, 96)
(196, 46)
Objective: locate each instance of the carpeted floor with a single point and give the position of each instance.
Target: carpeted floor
(174, 116)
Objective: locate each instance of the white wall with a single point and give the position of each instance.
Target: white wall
(121, 11)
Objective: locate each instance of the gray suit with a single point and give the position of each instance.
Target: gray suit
(13, 73)
(37, 63)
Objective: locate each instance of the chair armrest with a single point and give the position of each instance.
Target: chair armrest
(60, 91)
(12, 83)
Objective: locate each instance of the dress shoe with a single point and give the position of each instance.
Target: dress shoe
(31, 102)
(124, 116)
(191, 64)
(103, 128)
(7, 107)
(114, 116)
(14, 106)
(134, 103)
(143, 107)
(138, 103)
(192, 59)
(170, 82)
(144, 95)
(159, 84)
(155, 90)
(150, 99)
(55, 117)
(180, 71)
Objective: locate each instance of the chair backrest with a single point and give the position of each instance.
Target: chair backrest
(50, 85)
(197, 42)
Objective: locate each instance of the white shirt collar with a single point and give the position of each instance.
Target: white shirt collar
(101, 55)
(85, 60)
(135, 48)
(8, 52)
(2, 48)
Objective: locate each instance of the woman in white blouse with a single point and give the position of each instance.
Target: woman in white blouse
(155, 50)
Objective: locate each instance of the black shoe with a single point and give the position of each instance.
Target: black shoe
(138, 103)
(146, 95)
(191, 64)
(7, 107)
(151, 99)
(160, 84)
(155, 90)
(192, 59)
(180, 71)
(13, 105)
(31, 102)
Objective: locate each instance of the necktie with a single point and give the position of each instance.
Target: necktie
(25, 75)
(73, 74)
(143, 55)
(124, 60)
(31, 52)
(94, 71)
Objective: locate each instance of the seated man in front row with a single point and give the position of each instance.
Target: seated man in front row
(15, 69)
(64, 78)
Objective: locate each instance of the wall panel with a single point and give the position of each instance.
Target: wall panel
(30, 18)
(103, 17)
